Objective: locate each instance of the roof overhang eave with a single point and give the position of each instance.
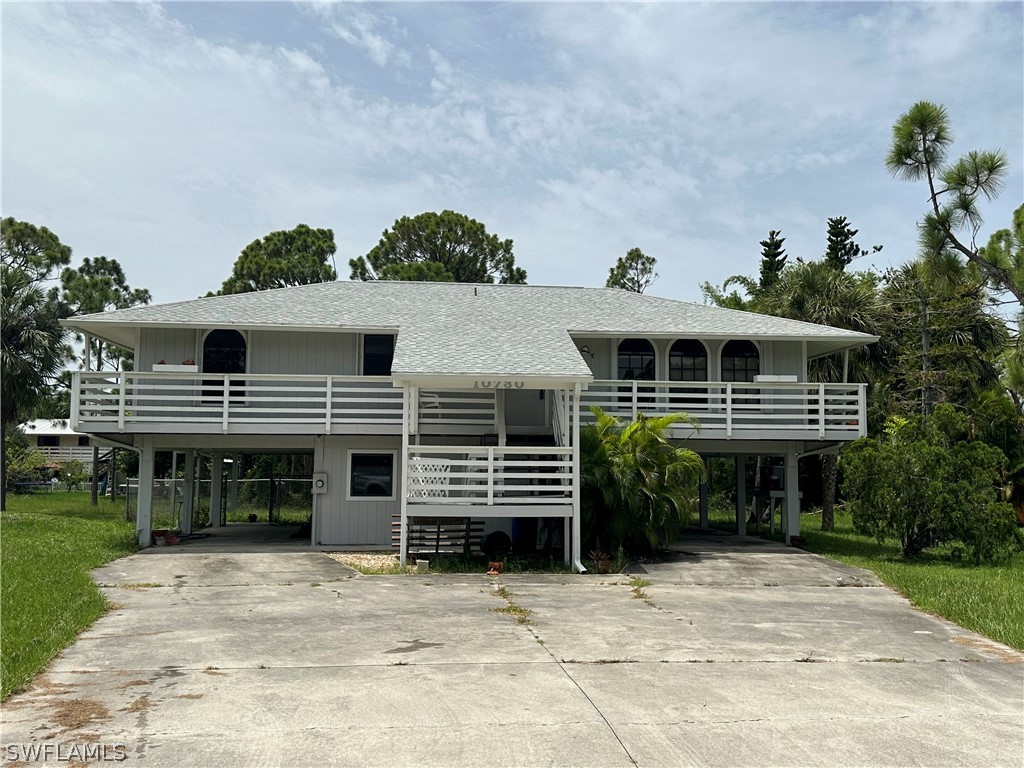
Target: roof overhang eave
(490, 381)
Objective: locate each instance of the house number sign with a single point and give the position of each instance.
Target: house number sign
(498, 384)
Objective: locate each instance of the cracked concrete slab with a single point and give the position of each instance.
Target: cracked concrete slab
(288, 658)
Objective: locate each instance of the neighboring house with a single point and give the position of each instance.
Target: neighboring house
(454, 400)
(57, 441)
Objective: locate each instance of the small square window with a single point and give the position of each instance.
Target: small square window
(83, 440)
(371, 475)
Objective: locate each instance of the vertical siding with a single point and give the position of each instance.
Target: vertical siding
(786, 358)
(302, 352)
(602, 365)
(171, 345)
(354, 523)
(525, 408)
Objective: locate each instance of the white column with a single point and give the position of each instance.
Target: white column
(576, 475)
(792, 511)
(318, 498)
(233, 487)
(174, 484)
(741, 494)
(188, 491)
(703, 492)
(144, 515)
(403, 538)
(216, 480)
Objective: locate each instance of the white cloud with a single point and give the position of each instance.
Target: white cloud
(688, 130)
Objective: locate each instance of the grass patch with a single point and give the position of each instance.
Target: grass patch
(48, 544)
(982, 598)
(522, 615)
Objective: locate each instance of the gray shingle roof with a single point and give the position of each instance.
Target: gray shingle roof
(461, 328)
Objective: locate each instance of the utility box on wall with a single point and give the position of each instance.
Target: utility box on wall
(320, 482)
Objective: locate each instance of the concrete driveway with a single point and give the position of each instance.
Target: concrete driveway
(737, 654)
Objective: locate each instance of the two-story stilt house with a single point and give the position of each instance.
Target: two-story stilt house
(454, 400)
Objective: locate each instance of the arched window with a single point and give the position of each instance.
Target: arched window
(688, 361)
(224, 351)
(740, 361)
(636, 360)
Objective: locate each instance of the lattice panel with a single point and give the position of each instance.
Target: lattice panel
(428, 478)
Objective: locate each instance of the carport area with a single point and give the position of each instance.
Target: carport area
(736, 654)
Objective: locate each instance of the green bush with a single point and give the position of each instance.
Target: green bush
(637, 488)
(925, 483)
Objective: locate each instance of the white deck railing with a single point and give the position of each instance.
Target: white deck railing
(730, 409)
(493, 476)
(61, 453)
(128, 401)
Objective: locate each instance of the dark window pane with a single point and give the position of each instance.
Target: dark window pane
(373, 474)
(83, 440)
(636, 360)
(378, 352)
(49, 441)
(740, 361)
(224, 352)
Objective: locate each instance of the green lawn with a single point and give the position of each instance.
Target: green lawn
(988, 599)
(48, 544)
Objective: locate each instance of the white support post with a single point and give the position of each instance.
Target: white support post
(576, 554)
(76, 397)
(499, 416)
(144, 515)
(728, 409)
(233, 487)
(412, 395)
(490, 476)
(319, 465)
(188, 491)
(174, 483)
(122, 383)
(792, 510)
(328, 404)
(635, 408)
(846, 365)
(403, 538)
(88, 353)
(566, 419)
(862, 410)
(224, 410)
(216, 483)
(741, 494)
(821, 410)
(704, 491)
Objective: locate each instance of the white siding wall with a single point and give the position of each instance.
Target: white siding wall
(303, 353)
(787, 358)
(168, 344)
(525, 408)
(354, 523)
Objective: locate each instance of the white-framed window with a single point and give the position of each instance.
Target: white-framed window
(371, 475)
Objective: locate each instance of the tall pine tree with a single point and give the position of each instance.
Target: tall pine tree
(842, 249)
(773, 259)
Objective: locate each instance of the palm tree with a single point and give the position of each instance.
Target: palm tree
(637, 487)
(33, 350)
(816, 292)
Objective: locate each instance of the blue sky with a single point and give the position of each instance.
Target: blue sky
(170, 136)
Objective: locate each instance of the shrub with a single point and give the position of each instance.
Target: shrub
(925, 483)
(637, 487)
